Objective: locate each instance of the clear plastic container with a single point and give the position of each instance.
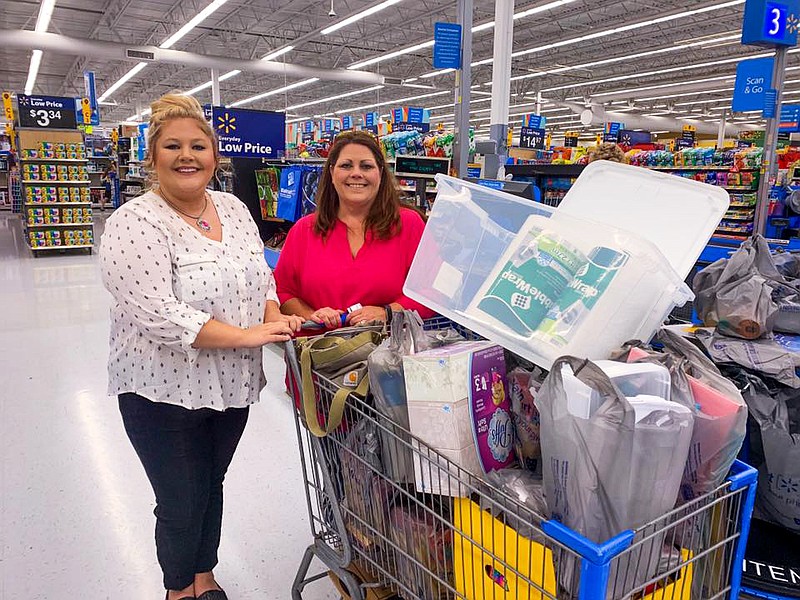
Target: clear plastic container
(482, 243)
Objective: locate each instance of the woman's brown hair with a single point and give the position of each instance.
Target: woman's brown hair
(384, 214)
(168, 108)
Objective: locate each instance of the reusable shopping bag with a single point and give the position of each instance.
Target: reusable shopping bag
(387, 382)
(340, 356)
(290, 193)
(310, 183)
(613, 470)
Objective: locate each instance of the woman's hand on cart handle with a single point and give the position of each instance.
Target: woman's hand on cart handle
(365, 314)
(294, 322)
(266, 333)
(329, 317)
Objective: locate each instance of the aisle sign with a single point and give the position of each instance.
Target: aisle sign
(571, 139)
(689, 136)
(250, 133)
(371, 119)
(534, 121)
(347, 123)
(753, 79)
(770, 22)
(46, 112)
(446, 46)
(530, 137)
(790, 118)
(8, 107)
(91, 94)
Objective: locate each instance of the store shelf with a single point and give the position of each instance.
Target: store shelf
(34, 204)
(54, 182)
(43, 225)
(742, 206)
(732, 218)
(738, 188)
(53, 160)
(99, 157)
(704, 168)
(61, 247)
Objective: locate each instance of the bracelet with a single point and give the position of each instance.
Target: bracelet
(389, 313)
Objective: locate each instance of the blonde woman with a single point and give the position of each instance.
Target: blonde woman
(194, 302)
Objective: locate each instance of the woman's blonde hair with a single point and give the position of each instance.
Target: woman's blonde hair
(168, 108)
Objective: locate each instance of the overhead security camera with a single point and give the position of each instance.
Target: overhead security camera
(331, 12)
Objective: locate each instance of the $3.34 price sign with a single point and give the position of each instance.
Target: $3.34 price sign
(46, 112)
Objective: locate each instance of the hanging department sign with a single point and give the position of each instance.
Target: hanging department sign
(249, 133)
(46, 112)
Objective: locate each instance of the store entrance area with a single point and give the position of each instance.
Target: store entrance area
(76, 516)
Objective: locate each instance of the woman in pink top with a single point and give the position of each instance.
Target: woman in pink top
(358, 246)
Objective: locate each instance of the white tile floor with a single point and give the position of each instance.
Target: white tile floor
(75, 507)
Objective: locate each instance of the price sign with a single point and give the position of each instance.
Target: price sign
(46, 112)
(571, 139)
(532, 138)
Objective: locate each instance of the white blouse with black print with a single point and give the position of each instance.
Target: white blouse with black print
(167, 281)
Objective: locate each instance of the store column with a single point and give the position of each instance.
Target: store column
(501, 83)
(463, 85)
(215, 99)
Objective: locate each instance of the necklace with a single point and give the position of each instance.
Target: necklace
(199, 220)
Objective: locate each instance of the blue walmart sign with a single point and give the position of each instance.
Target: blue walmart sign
(249, 133)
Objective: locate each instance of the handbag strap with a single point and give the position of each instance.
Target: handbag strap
(338, 347)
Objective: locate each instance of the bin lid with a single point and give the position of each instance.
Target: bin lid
(676, 214)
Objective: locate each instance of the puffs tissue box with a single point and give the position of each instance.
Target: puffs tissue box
(458, 405)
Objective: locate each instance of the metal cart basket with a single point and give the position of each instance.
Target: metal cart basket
(472, 541)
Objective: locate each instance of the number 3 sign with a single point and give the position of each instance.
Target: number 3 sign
(771, 22)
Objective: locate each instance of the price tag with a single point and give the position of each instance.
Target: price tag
(46, 112)
(532, 138)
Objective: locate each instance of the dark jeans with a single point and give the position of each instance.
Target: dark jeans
(185, 454)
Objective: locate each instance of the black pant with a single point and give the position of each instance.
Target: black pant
(185, 454)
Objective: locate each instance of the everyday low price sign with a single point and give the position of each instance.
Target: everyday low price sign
(46, 112)
(250, 133)
(532, 138)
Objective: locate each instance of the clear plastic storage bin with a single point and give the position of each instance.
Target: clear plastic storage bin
(547, 282)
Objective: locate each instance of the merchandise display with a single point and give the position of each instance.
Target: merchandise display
(57, 201)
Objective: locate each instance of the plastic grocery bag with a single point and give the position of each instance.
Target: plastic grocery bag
(720, 414)
(732, 293)
(614, 470)
(778, 357)
(387, 383)
(776, 409)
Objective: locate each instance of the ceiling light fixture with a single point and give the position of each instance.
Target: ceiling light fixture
(397, 101)
(280, 90)
(169, 42)
(277, 53)
(358, 16)
(42, 23)
(337, 97)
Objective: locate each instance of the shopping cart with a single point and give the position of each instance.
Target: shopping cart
(472, 541)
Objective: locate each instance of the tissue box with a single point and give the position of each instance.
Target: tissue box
(458, 405)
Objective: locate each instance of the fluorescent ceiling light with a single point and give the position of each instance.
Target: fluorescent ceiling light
(42, 23)
(703, 102)
(358, 16)
(397, 101)
(169, 42)
(194, 22)
(199, 88)
(475, 29)
(122, 80)
(616, 30)
(383, 57)
(276, 54)
(727, 89)
(285, 88)
(45, 13)
(660, 86)
(337, 97)
(33, 71)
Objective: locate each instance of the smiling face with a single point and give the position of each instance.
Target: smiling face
(356, 176)
(184, 159)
